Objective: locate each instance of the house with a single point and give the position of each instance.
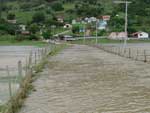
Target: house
(60, 19)
(117, 35)
(102, 25)
(74, 21)
(90, 19)
(140, 35)
(22, 27)
(106, 17)
(25, 32)
(67, 26)
(12, 21)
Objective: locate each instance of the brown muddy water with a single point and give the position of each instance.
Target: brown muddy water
(83, 79)
(9, 56)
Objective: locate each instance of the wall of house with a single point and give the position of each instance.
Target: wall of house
(143, 35)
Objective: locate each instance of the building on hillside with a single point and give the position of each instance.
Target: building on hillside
(60, 19)
(102, 25)
(140, 35)
(74, 21)
(106, 17)
(117, 36)
(90, 19)
(25, 32)
(88, 33)
(12, 21)
(67, 26)
(22, 27)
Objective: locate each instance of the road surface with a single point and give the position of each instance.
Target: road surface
(83, 79)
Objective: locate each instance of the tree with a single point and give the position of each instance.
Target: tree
(86, 9)
(47, 34)
(34, 28)
(38, 17)
(57, 6)
(11, 16)
(75, 29)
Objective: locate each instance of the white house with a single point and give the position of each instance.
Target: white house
(140, 35)
(22, 27)
(67, 26)
(117, 36)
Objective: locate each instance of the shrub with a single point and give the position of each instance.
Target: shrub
(33, 28)
(57, 6)
(11, 16)
(47, 34)
(75, 29)
(38, 17)
(34, 37)
(21, 37)
(7, 27)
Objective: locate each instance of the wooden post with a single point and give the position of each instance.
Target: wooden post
(30, 59)
(20, 70)
(124, 52)
(26, 67)
(129, 52)
(137, 54)
(38, 54)
(119, 51)
(9, 85)
(145, 57)
(35, 58)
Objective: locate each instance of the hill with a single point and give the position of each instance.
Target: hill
(24, 11)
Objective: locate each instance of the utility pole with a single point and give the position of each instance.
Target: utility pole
(126, 18)
(84, 33)
(1, 5)
(96, 32)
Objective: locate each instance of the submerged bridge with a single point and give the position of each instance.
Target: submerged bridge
(83, 79)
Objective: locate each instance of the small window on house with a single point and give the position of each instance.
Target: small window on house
(141, 34)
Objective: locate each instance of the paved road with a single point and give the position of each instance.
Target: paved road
(83, 79)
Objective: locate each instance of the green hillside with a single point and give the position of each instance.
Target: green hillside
(36, 13)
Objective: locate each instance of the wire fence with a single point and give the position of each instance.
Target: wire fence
(132, 53)
(17, 85)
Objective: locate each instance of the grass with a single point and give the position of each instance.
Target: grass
(24, 17)
(68, 6)
(6, 37)
(107, 41)
(23, 43)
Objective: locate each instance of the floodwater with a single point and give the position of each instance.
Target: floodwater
(83, 79)
(9, 56)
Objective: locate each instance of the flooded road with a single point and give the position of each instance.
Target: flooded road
(9, 56)
(84, 79)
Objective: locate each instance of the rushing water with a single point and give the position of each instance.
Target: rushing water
(9, 56)
(84, 79)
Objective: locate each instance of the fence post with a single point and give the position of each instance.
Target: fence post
(9, 85)
(137, 54)
(35, 58)
(145, 57)
(26, 66)
(124, 53)
(129, 52)
(38, 54)
(30, 59)
(20, 70)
